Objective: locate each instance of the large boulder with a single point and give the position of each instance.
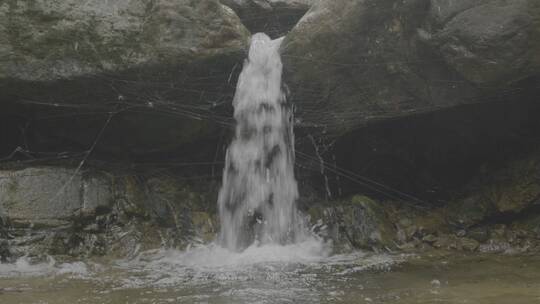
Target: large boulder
(50, 196)
(159, 68)
(54, 40)
(273, 17)
(388, 58)
(488, 42)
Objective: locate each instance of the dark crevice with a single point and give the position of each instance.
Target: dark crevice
(433, 156)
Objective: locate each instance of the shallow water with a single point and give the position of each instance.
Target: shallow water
(291, 274)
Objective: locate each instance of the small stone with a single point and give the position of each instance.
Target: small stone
(401, 236)
(494, 246)
(411, 231)
(430, 238)
(407, 246)
(445, 242)
(510, 236)
(436, 283)
(469, 244)
(478, 234)
(498, 231)
(92, 228)
(405, 222)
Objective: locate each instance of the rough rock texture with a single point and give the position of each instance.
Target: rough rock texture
(496, 212)
(488, 42)
(356, 223)
(52, 40)
(158, 67)
(507, 192)
(384, 59)
(274, 17)
(49, 196)
(55, 210)
(147, 81)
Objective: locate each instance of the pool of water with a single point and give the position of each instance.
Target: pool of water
(292, 274)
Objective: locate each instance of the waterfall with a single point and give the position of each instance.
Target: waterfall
(257, 201)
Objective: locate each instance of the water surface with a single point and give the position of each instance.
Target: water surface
(290, 274)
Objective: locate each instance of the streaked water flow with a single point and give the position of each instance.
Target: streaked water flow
(259, 191)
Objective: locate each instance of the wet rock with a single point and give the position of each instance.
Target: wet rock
(51, 196)
(358, 223)
(446, 241)
(410, 246)
(59, 211)
(92, 228)
(452, 242)
(3, 224)
(5, 253)
(498, 231)
(506, 192)
(461, 233)
(162, 211)
(468, 244)
(131, 198)
(480, 234)
(77, 244)
(379, 59)
(273, 17)
(470, 210)
(495, 246)
(430, 239)
(405, 229)
(144, 62)
(205, 227)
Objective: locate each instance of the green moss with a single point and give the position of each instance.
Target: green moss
(316, 213)
(204, 226)
(12, 186)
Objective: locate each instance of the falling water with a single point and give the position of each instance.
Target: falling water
(257, 199)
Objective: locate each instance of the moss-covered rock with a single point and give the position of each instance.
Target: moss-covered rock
(507, 191)
(66, 212)
(356, 223)
(205, 226)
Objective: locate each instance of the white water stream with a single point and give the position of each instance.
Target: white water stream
(259, 191)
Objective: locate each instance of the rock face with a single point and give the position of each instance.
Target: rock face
(273, 17)
(51, 196)
(53, 40)
(151, 80)
(510, 191)
(384, 59)
(489, 43)
(62, 211)
(357, 223)
(155, 65)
